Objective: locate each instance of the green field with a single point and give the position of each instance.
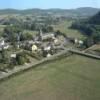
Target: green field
(72, 78)
(64, 27)
(1, 29)
(30, 32)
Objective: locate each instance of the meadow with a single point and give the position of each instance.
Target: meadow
(64, 26)
(71, 78)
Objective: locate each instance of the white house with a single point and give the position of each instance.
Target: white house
(2, 42)
(81, 42)
(6, 46)
(34, 47)
(49, 55)
(76, 41)
(48, 48)
(13, 55)
(3, 45)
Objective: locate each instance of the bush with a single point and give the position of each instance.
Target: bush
(22, 58)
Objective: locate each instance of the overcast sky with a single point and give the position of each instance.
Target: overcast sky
(45, 4)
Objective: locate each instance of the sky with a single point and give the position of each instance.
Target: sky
(45, 4)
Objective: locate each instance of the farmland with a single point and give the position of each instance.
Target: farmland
(72, 78)
(64, 26)
(1, 29)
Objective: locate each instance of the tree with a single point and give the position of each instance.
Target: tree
(22, 58)
(58, 32)
(89, 42)
(96, 38)
(89, 27)
(50, 29)
(26, 36)
(11, 33)
(3, 56)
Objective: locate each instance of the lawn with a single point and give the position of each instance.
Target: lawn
(72, 78)
(64, 27)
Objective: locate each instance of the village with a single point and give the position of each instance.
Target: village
(20, 51)
(50, 50)
(43, 45)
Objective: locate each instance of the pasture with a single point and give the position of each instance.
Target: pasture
(64, 27)
(71, 78)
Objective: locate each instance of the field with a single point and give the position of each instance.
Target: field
(64, 27)
(30, 32)
(72, 78)
(1, 29)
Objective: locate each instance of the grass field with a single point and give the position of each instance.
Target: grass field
(72, 78)
(64, 27)
(30, 32)
(1, 29)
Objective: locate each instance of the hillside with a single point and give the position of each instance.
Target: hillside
(86, 11)
(89, 27)
(95, 19)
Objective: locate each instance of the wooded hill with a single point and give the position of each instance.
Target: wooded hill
(84, 11)
(89, 27)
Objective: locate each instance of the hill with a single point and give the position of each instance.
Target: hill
(95, 19)
(86, 11)
(89, 27)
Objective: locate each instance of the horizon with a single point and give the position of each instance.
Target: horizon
(47, 8)
(48, 4)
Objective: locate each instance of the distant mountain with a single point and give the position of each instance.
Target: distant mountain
(9, 11)
(85, 11)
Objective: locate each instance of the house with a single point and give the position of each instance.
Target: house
(57, 41)
(34, 48)
(6, 46)
(49, 55)
(13, 55)
(3, 45)
(47, 36)
(2, 41)
(76, 41)
(80, 42)
(48, 48)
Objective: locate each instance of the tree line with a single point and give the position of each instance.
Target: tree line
(89, 27)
